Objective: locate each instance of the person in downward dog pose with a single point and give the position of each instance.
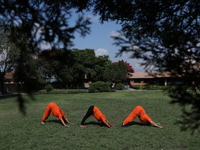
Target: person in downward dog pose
(144, 118)
(94, 111)
(53, 109)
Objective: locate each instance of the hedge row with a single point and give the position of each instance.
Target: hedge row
(63, 91)
(101, 86)
(149, 87)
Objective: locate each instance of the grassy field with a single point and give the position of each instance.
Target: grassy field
(27, 133)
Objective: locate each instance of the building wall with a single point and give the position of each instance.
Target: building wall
(142, 82)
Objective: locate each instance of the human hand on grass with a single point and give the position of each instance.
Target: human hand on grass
(83, 126)
(155, 124)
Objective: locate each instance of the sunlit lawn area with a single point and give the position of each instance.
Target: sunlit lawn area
(20, 132)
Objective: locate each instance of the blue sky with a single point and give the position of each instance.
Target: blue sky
(100, 40)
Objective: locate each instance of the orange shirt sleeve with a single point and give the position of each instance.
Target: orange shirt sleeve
(98, 114)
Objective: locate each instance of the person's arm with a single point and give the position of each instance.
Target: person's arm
(107, 124)
(155, 124)
(110, 123)
(63, 123)
(68, 121)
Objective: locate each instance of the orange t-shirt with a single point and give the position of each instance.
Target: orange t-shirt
(55, 110)
(98, 114)
(140, 112)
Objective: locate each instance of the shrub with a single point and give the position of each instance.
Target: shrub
(119, 86)
(92, 88)
(48, 87)
(99, 86)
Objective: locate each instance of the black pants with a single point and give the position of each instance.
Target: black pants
(88, 114)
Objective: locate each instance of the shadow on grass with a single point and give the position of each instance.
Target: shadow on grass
(54, 121)
(95, 123)
(136, 123)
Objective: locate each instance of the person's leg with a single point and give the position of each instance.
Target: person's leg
(46, 113)
(88, 114)
(135, 112)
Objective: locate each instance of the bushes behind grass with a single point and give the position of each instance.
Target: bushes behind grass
(119, 86)
(63, 91)
(149, 87)
(48, 87)
(100, 86)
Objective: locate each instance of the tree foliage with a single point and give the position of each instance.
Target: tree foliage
(129, 68)
(120, 69)
(84, 61)
(66, 66)
(8, 55)
(73, 67)
(105, 70)
(99, 69)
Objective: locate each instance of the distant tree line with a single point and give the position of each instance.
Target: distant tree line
(67, 68)
(71, 68)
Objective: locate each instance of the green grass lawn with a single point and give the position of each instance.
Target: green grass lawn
(20, 132)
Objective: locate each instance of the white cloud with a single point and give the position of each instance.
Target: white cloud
(114, 33)
(101, 52)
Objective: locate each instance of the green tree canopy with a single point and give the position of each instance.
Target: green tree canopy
(100, 64)
(84, 60)
(67, 66)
